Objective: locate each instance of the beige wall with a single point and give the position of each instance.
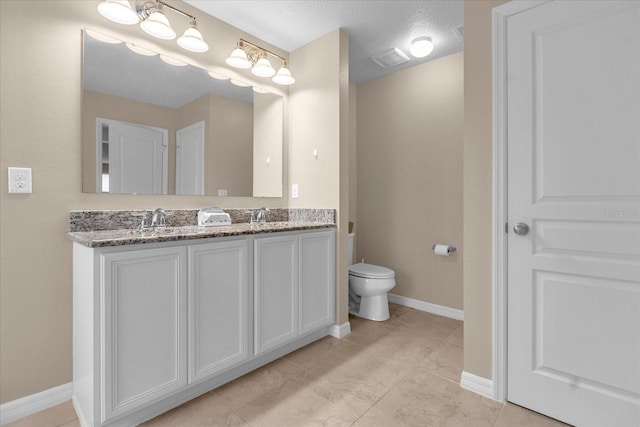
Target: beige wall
(319, 117)
(267, 144)
(410, 178)
(40, 118)
(229, 149)
(477, 161)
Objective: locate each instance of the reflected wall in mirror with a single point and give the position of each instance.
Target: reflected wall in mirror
(150, 127)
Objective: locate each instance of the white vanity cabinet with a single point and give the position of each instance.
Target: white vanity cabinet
(155, 325)
(293, 286)
(276, 291)
(218, 307)
(129, 329)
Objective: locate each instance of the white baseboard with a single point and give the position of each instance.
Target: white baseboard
(440, 310)
(340, 331)
(29, 405)
(476, 384)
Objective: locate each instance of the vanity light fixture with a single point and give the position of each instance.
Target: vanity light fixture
(154, 21)
(119, 11)
(421, 47)
(248, 55)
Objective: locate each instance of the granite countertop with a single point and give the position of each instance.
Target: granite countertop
(97, 239)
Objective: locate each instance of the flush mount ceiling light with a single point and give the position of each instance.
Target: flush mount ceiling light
(421, 47)
(248, 55)
(154, 21)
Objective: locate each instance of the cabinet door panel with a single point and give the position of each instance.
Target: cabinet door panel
(144, 329)
(317, 280)
(218, 302)
(276, 291)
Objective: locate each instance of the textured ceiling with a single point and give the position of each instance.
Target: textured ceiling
(373, 26)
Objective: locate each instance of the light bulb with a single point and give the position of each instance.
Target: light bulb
(263, 68)
(238, 59)
(119, 11)
(157, 25)
(192, 39)
(284, 77)
(421, 47)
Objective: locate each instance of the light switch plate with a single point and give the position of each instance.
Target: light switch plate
(19, 180)
(294, 191)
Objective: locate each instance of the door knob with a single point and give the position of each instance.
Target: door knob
(521, 229)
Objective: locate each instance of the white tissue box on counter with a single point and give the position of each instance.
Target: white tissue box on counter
(212, 217)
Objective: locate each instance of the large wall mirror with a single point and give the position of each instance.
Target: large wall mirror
(152, 125)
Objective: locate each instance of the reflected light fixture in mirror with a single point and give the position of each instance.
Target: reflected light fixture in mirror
(217, 76)
(103, 37)
(140, 50)
(421, 47)
(154, 21)
(171, 61)
(248, 55)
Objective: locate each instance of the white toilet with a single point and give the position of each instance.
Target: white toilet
(368, 287)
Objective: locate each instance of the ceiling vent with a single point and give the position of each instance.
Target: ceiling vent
(459, 31)
(390, 58)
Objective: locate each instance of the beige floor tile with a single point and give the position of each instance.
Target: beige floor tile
(445, 361)
(301, 403)
(327, 350)
(52, 417)
(360, 326)
(457, 336)
(404, 345)
(423, 399)
(74, 423)
(206, 410)
(254, 384)
(514, 415)
(430, 324)
(396, 310)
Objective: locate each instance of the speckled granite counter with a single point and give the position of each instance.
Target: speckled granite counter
(96, 239)
(117, 228)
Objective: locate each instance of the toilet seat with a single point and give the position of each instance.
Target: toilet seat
(370, 271)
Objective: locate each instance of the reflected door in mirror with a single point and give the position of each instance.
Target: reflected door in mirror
(133, 158)
(190, 159)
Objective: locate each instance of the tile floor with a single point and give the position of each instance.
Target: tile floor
(402, 372)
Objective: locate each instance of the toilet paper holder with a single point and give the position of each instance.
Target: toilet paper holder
(450, 249)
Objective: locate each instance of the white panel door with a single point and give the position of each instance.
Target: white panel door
(275, 291)
(190, 159)
(218, 307)
(137, 158)
(574, 179)
(317, 280)
(144, 333)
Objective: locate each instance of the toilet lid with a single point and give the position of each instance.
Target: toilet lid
(371, 271)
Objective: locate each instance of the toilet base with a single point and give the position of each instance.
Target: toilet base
(373, 308)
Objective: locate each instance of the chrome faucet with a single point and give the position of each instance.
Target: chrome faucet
(259, 216)
(158, 218)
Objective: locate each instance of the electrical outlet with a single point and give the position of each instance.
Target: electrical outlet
(294, 191)
(19, 180)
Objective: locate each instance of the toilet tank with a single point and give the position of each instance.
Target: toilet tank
(350, 251)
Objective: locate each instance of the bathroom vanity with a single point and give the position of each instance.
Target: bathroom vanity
(160, 318)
